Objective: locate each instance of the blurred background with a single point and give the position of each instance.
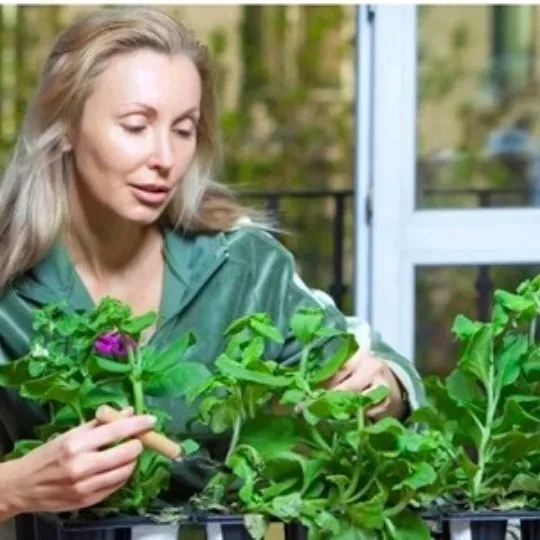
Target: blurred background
(288, 82)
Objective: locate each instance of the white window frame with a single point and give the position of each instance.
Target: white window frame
(399, 236)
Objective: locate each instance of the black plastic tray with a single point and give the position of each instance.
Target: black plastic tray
(53, 527)
(492, 525)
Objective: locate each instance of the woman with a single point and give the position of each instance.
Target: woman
(112, 192)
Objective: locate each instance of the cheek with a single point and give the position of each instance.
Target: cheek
(125, 153)
(107, 155)
(186, 155)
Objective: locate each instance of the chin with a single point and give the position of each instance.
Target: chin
(143, 215)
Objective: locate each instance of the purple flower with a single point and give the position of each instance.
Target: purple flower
(113, 344)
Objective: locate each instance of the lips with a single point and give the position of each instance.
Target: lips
(150, 194)
(151, 188)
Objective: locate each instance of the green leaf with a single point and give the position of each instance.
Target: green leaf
(229, 368)
(96, 397)
(514, 445)
(525, 483)
(254, 351)
(348, 532)
(189, 446)
(376, 394)
(499, 316)
(22, 447)
(36, 368)
(510, 360)
(267, 330)
(51, 387)
(256, 525)
(464, 328)
(464, 389)
(279, 488)
(513, 302)
(477, 357)
(410, 526)
(237, 326)
(162, 361)
(423, 475)
(287, 507)
(136, 325)
(531, 366)
(337, 404)
(305, 323)
(467, 466)
(368, 514)
(104, 366)
(270, 435)
(155, 475)
(347, 348)
(387, 424)
(292, 397)
(14, 374)
(515, 417)
(178, 381)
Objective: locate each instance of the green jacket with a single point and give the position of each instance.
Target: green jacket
(209, 281)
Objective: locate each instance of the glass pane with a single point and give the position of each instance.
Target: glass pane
(443, 292)
(478, 112)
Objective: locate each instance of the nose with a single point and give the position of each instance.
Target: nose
(163, 153)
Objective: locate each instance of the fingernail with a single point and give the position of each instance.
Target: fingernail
(150, 418)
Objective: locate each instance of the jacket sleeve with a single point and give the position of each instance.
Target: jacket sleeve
(297, 294)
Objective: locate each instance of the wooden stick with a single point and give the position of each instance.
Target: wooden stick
(151, 439)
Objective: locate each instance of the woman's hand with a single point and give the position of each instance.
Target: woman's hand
(73, 470)
(365, 371)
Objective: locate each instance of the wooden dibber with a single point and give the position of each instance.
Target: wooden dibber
(151, 439)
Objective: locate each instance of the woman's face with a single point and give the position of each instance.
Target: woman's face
(137, 135)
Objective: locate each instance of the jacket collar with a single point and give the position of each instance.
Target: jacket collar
(189, 263)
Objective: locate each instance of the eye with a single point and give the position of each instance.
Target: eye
(185, 133)
(134, 129)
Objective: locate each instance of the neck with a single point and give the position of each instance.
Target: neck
(106, 245)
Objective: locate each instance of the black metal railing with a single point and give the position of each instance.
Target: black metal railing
(342, 228)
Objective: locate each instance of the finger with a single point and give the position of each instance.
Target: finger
(379, 410)
(89, 500)
(359, 381)
(106, 434)
(104, 481)
(99, 496)
(125, 412)
(355, 383)
(89, 464)
(348, 368)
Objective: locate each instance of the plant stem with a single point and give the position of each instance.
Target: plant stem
(319, 439)
(492, 399)
(358, 465)
(138, 407)
(138, 397)
(400, 506)
(236, 428)
(234, 439)
(365, 489)
(78, 409)
(532, 331)
(138, 394)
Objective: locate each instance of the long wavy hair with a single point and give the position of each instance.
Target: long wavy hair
(34, 205)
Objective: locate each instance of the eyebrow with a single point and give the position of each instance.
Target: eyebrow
(191, 113)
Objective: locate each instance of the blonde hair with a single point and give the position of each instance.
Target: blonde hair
(33, 194)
